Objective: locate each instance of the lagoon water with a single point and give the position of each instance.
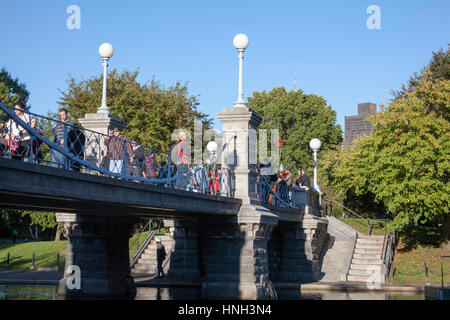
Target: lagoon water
(20, 292)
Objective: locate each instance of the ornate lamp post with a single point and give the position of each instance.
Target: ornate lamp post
(315, 145)
(106, 51)
(240, 42)
(212, 148)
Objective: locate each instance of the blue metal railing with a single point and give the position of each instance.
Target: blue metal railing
(37, 139)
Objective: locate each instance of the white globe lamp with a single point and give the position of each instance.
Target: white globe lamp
(106, 51)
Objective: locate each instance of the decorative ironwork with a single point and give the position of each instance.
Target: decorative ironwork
(33, 138)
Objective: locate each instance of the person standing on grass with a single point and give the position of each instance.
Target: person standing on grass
(14, 235)
(160, 256)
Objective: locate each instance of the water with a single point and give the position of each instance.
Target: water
(19, 292)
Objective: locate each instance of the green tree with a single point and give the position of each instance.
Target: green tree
(404, 162)
(11, 91)
(151, 111)
(438, 68)
(299, 118)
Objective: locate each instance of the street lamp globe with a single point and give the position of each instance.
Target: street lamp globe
(106, 51)
(240, 41)
(212, 147)
(315, 144)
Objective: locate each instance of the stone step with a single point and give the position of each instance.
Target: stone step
(359, 278)
(368, 256)
(144, 267)
(370, 237)
(369, 246)
(151, 256)
(369, 251)
(147, 261)
(357, 272)
(142, 271)
(367, 261)
(364, 266)
(370, 241)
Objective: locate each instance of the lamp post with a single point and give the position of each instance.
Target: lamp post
(212, 148)
(106, 51)
(240, 42)
(315, 145)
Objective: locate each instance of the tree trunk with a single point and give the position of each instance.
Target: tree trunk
(58, 233)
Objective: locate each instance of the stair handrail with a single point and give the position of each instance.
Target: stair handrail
(332, 200)
(141, 249)
(140, 232)
(353, 212)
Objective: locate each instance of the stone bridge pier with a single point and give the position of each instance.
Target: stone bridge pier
(97, 257)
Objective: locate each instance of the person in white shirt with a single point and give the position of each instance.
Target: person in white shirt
(19, 134)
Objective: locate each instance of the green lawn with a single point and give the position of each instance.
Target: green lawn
(377, 227)
(21, 254)
(46, 252)
(409, 265)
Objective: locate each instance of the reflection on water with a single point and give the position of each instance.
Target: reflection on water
(16, 292)
(13, 292)
(289, 294)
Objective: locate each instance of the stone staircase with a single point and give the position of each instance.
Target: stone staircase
(146, 263)
(367, 261)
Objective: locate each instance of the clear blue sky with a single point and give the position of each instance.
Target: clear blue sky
(336, 55)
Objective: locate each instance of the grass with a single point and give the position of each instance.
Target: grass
(46, 252)
(409, 264)
(21, 254)
(377, 227)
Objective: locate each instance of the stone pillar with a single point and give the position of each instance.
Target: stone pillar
(184, 256)
(235, 261)
(245, 251)
(98, 246)
(102, 123)
(301, 246)
(240, 156)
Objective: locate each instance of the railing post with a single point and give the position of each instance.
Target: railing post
(442, 271)
(66, 161)
(124, 157)
(368, 227)
(137, 239)
(169, 170)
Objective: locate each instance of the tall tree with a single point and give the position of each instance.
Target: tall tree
(11, 90)
(404, 162)
(151, 111)
(299, 118)
(437, 68)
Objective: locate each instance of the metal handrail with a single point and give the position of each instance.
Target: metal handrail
(332, 200)
(269, 188)
(68, 156)
(141, 249)
(140, 232)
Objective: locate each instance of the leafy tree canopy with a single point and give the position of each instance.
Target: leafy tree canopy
(11, 91)
(404, 162)
(299, 118)
(151, 111)
(438, 68)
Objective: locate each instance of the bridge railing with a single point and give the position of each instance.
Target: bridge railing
(279, 194)
(37, 139)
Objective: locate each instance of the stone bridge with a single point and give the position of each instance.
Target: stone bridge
(235, 246)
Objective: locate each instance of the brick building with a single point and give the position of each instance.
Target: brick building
(356, 126)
